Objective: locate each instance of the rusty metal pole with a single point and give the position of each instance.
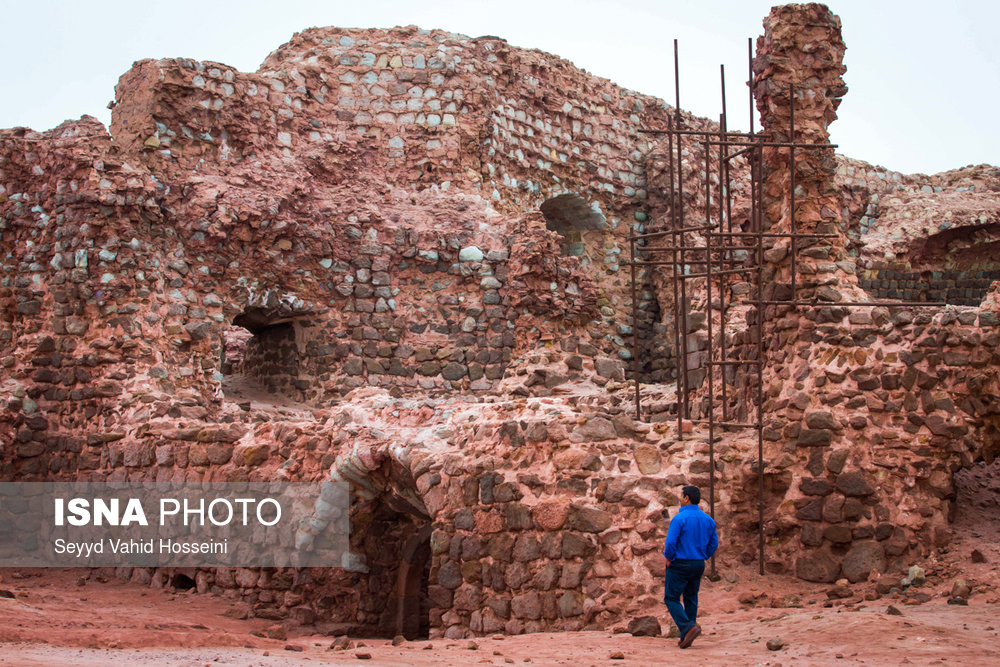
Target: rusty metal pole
(757, 187)
(674, 256)
(711, 347)
(757, 224)
(635, 324)
(680, 224)
(791, 166)
(723, 205)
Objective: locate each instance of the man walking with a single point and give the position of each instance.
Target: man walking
(691, 540)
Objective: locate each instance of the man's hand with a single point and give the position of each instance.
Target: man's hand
(668, 562)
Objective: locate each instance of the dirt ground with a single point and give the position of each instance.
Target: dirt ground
(53, 621)
(73, 617)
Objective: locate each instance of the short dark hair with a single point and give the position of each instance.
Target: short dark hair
(693, 493)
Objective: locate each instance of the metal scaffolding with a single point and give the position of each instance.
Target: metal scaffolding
(721, 254)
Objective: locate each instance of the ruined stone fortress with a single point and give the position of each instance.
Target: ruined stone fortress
(399, 258)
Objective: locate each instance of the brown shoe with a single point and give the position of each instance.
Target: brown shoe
(690, 636)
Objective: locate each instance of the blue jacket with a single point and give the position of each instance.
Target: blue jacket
(691, 535)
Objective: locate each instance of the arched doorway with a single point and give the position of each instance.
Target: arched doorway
(391, 532)
(570, 216)
(261, 357)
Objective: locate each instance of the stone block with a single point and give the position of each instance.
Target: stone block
(818, 567)
(551, 514)
(527, 606)
(588, 519)
(854, 483)
(645, 626)
(861, 559)
(814, 437)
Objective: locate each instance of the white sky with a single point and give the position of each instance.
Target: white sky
(924, 77)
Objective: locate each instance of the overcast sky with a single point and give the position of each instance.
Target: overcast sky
(924, 77)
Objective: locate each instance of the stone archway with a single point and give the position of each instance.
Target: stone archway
(262, 352)
(570, 216)
(390, 537)
(408, 610)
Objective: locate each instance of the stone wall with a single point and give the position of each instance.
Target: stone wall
(870, 411)
(370, 205)
(960, 288)
(396, 263)
(433, 110)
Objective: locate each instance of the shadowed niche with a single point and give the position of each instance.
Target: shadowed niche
(392, 531)
(260, 356)
(570, 215)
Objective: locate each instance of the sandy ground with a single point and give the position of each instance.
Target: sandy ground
(53, 621)
(72, 617)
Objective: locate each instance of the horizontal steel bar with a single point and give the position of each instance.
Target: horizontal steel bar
(767, 144)
(724, 424)
(732, 133)
(851, 304)
(733, 362)
(722, 272)
(688, 248)
(766, 235)
(650, 235)
(779, 235)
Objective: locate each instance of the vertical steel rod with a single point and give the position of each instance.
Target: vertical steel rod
(791, 160)
(729, 241)
(759, 214)
(723, 199)
(635, 323)
(757, 223)
(680, 225)
(674, 256)
(711, 346)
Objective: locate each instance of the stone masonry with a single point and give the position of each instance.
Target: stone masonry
(395, 257)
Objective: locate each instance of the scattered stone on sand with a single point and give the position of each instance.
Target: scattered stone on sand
(340, 644)
(644, 626)
(960, 589)
(775, 644)
(914, 576)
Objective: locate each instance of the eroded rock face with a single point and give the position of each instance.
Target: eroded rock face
(340, 266)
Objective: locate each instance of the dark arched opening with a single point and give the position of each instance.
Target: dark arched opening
(956, 265)
(570, 216)
(392, 532)
(260, 358)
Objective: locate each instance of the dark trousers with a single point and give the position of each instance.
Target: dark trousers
(683, 577)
